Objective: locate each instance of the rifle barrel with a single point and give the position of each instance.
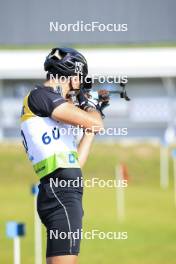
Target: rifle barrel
(114, 92)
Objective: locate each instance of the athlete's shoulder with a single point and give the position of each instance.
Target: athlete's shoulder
(37, 90)
(44, 91)
(42, 100)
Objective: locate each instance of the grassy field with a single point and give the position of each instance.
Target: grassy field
(92, 46)
(150, 212)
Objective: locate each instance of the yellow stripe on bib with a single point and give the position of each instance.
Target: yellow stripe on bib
(26, 112)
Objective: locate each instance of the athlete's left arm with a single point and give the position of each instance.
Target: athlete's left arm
(84, 147)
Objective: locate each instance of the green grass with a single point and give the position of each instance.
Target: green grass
(150, 212)
(91, 46)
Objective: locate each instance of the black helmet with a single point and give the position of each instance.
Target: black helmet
(65, 62)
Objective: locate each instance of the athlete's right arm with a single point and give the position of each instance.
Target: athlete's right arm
(70, 114)
(44, 102)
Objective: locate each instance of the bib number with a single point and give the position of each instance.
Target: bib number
(47, 138)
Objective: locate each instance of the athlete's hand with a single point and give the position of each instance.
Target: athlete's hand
(83, 101)
(103, 98)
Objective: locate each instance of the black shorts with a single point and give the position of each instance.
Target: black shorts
(59, 205)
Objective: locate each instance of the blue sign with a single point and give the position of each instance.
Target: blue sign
(14, 229)
(34, 189)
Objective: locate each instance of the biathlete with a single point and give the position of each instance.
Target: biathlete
(47, 110)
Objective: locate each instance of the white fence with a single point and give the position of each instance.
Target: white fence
(151, 74)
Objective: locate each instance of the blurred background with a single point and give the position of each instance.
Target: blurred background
(146, 54)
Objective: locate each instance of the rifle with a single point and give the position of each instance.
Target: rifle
(121, 90)
(101, 97)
